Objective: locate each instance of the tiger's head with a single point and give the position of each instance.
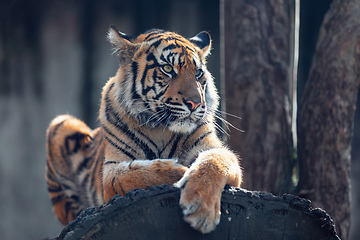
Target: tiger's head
(163, 80)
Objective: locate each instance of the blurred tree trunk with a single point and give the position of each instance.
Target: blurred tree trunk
(257, 57)
(326, 117)
(258, 42)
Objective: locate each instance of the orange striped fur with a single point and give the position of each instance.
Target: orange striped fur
(157, 127)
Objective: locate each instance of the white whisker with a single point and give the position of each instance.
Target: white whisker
(225, 113)
(159, 120)
(219, 115)
(153, 116)
(167, 121)
(221, 129)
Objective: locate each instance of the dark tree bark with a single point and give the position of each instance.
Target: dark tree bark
(258, 65)
(326, 116)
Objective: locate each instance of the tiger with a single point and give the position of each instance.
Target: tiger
(157, 126)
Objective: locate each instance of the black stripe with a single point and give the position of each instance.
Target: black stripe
(112, 185)
(194, 62)
(68, 208)
(181, 63)
(98, 175)
(135, 68)
(153, 32)
(85, 180)
(66, 187)
(171, 46)
(174, 146)
(64, 156)
(201, 138)
(76, 137)
(84, 184)
(121, 149)
(95, 174)
(173, 109)
(161, 93)
(53, 189)
(75, 198)
(173, 103)
(118, 123)
(168, 58)
(110, 162)
(158, 42)
(94, 196)
(151, 57)
(167, 144)
(118, 139)
(56, 128)
(50, 176)
(145, 89)
(155, 77)
(191, 134)
(89, 160)
(168, 38)
(190, 49)
(51, 157)
(51, 171)
(57, 199)
(175, 38)
(86, 163)
(160, 84)
(148, 139)
(162, 57)
(154, 45)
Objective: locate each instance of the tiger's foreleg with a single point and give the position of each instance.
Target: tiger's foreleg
(202, 185)
(121, 177)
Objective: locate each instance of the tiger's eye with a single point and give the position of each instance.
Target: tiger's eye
(167, 68)
(198, 73)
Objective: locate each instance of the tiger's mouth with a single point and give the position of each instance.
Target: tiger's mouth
(182, 126)
(186, 122)
(174, 119)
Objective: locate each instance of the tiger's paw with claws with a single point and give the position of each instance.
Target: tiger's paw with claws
(202, 186)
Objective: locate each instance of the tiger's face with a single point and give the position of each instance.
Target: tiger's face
(163, 80)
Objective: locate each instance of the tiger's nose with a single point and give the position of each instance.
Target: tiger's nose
(192, 104)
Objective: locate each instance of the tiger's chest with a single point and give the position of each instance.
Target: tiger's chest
(163, 146)
(145, 144)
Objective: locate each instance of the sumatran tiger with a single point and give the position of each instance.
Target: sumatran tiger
(157, 120)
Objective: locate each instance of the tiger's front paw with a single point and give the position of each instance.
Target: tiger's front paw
(200, 201)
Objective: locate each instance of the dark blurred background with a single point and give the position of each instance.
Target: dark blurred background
(54, 59)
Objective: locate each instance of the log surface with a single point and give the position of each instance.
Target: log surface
(155, 214)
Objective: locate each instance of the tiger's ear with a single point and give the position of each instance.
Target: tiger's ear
(123, 46)
(203, 41)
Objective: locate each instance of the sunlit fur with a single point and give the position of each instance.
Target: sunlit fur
(157, 127)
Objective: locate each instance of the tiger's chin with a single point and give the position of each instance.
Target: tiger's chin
(182, 126)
